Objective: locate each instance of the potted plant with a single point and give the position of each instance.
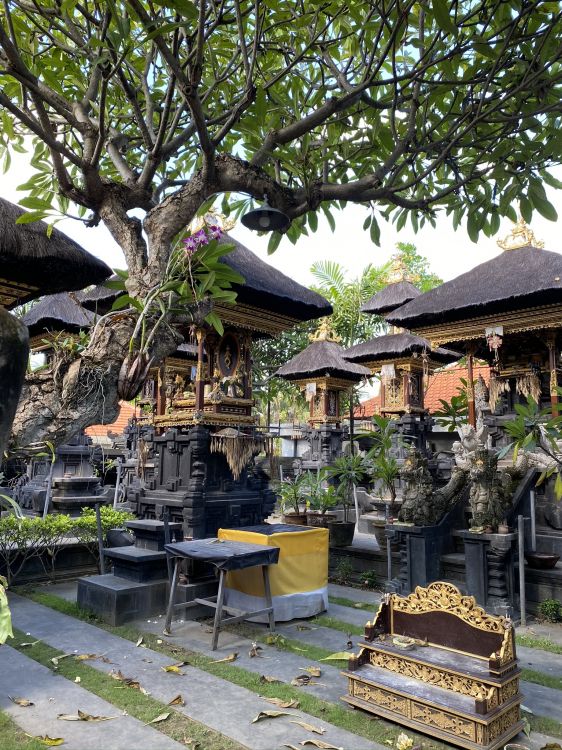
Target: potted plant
(347, 472)
(291, 495)
(320, 503)
(386, 470)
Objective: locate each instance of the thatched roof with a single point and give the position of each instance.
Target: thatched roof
(513, 280)
(391, 297)
(42, 264)
(398, 345)
(265, 288)
(322, 358)
(57, 312)
(268, 289)
(99, 298)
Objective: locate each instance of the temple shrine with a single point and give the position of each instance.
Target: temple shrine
(402, 360)
(324, 375)
(205, 432)
(508, 312)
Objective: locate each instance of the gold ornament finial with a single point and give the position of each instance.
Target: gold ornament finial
(324, 332)
(521, 235)
(399, 271)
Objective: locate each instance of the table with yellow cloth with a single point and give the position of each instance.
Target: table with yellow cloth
(299, 582)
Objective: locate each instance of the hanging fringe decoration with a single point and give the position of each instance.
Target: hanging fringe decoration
(238, 448)
(497, 387)
(529, 385)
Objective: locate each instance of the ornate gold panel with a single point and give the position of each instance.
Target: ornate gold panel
(384, 698)
(501, 725)
(444, 597)
(444, 721)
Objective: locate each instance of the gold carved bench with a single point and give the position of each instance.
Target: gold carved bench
(437, 662)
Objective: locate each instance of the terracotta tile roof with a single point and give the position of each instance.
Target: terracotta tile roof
(126, 411)
(442, 385)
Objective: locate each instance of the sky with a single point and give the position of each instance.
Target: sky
(449, 253)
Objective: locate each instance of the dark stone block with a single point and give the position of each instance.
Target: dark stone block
(116, 600)
(149, 533)
(137, 564)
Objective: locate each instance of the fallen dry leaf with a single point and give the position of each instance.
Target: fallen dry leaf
(312, 671)
(83, 716)
(303, 627)
(270, 715)
(27, 644)
(321, 744)
(148, 661)
(84, 657)
(177, 701)
(55, 660)
(231, 657)
(140, 640)
(174, 668)
(77, 679)
(131, 682)
(309, 727)
(24, 702)
(268, 679)
(46, 740)
(158, 719)
(338, 656)
(358, 605)
(192, 744)
(300, 680)
(292, 747)
(255, 650)
(281, 703)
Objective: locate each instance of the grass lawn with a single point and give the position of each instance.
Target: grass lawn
(14, 738)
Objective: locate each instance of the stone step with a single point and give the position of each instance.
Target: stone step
(137, 563)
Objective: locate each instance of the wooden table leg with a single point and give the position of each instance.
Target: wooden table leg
(268, 599)
(172, 599)
(218, 612)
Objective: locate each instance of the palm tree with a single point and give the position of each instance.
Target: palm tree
(346, 298)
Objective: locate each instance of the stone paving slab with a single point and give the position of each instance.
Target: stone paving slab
(355, 595)
(217, 703)
(356, 617)
(52, 695)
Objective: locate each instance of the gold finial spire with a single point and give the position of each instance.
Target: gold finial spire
(398, 271)
(324, 332)
(521, 235)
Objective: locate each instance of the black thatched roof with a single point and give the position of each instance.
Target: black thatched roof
(519, 278)
(322, 358)
(268, 289)
(57, 312)
(391, 297)
(28, 256)
(99, 298)
(398, 345)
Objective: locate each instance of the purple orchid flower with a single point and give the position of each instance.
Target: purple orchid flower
(215, 232)
(190, 245)
(201, 238)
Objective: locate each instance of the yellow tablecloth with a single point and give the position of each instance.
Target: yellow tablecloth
(299, 582)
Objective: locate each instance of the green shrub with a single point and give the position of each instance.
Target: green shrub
(343, 571)
(550, 610)
(24, 538)
(370, 580)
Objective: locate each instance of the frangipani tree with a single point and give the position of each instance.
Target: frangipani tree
(165, 106)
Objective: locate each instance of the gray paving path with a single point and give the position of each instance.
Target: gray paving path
(356, 595)
(53, 695)
(216, 703)
(354, 616)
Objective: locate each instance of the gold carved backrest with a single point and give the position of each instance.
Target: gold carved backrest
(442, 616)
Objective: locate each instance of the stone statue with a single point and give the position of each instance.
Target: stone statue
(491, 490)
(416, 496)
(423, 505)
